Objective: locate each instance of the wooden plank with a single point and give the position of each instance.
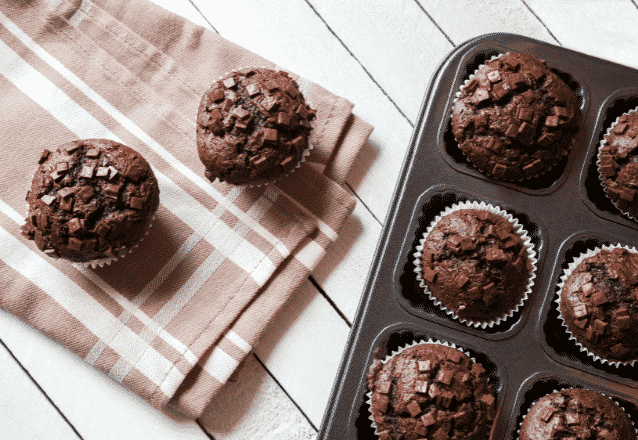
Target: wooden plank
(252, 406)
(290, 33)
(344, 270)
(23, 403)
(98, 408)
(302, 348)
(462, 20)
(603, 28)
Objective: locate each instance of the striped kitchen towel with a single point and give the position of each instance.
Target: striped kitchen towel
(173, 319)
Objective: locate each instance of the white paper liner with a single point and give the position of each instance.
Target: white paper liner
(100, 262)
(401, 349)
(312, 140)
(518, 431)
(566, 273)
(603, 142)
(518, 229)
(457, 95)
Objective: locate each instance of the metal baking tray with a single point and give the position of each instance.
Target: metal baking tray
(565, 211)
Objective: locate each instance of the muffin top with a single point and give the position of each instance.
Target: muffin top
(599, 304)
(431, 391)
(619, 164)
(514, 119)
(576, 414)
(475, 264)
(252, 126)
(90, 199)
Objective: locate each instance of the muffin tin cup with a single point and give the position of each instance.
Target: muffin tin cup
(312, 141)
(603, 142)
(520, 231)
(566, 150)
(399, 351)
(559, 289)
(518, 431)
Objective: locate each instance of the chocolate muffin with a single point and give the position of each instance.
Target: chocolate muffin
(576, 414)
(90, 200)
(618, 164)
(252, 127)
(476, 265)
(431, 391)
(599, 304)
(515, 118)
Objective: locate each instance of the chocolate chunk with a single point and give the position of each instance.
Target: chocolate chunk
(48, 199)
(425, 366)
(112, 191)
(478, 370)
(461, 280)
(480, 120)
(494, 145)
(287, 162)
(87, 172)
(495, 255)
(627, 194)
(599, 298)
(241, 112)
(217, 95)
(62, 167)
(102, 229)
(482, 95)
(512, 131)
(599, 326)
(499, 170)
(561, 112)
(65, 192)
(93, 153)
(587, 288)
(134, 170)
(494, 76)
(137, 203)
(515, 81)
(445, 376)
(45, 155)
(607, 171)
(42, 221)
(75, 243)
(525, 114)
(269, 104)
(284, 119)
(290, 89)
(534, 167)
(551, 121)
(85, 193)
(580, 311)
(102, 172)
(252, 90)
(581, 322)
(434, 391)
(67, 204)
(572, 418)
(413, 408)
(421, 386)
(229, 83)
(619, 128)
(113, 172)
(381, 403)
(270, 134)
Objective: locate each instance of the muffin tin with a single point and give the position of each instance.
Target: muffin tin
(565, 211)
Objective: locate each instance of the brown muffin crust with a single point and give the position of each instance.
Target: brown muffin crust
(515, 118)
(475, 264)
(431, 391)
(599, 304)
(619, 164)
(252, 127)
(576, 414)
(90, 199)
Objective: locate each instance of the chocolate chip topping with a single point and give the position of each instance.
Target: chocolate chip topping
(476, 264)
(431, 391)
(619, 164)
(253, 126)
(576, 414)
(511, 117)
(79, 214)
(599, 303)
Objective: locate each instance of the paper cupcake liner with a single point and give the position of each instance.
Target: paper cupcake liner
(457, 95)
(518, 431)
(100, 262)
(518, 229)
(566, 273)
(603, 142)
(312, 140)
(400, 350)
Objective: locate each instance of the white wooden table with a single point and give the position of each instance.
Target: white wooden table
(379, 54)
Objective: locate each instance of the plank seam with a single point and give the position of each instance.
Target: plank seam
(434, 23)
(285, 392)
(363, 203)
(46, 396)
(203, 16)
(360, 63)
(541, 22)
(330, 301)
